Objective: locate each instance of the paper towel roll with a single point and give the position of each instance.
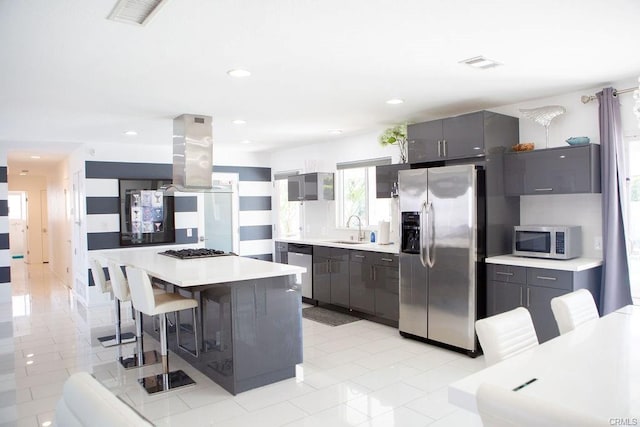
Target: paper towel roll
(383, 232)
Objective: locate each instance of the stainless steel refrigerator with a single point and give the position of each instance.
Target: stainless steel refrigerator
(440, 208)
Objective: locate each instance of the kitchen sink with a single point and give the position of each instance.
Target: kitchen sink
(346, 242)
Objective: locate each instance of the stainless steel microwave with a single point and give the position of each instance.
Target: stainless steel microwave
(552, 241)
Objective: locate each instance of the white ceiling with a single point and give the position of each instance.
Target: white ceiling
(68, 75)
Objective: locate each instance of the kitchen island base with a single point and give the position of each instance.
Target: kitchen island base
(251, 331)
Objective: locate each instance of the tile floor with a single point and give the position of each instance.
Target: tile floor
(359, 374)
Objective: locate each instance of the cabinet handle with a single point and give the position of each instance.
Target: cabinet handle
(444, 148)
(439, 148)
(546, 278)
(373, 271)
(329, 266)
(358, 256)
(504, 273)
(386, 259)
(520, 297)
(543, 189)
(528, 297)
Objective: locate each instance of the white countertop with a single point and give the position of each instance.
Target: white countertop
(392, 248)
(199, 271)
(576, 264)
(594, 369)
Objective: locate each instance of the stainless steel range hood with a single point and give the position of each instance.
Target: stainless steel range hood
(192, 153)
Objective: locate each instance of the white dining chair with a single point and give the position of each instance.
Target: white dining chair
(506, 334)
(501, 407)
(573, 309)
(86, 402)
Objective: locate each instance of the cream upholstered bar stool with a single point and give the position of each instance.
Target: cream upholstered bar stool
(573, 309)
(146, 301)
(121, 291)
(506, 334)
(100, 280)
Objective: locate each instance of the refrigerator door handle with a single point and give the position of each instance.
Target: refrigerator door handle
(431, 260)
(423, 215)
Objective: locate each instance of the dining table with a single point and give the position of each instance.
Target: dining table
(593, 369)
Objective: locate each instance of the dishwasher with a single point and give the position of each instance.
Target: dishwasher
(302, 256)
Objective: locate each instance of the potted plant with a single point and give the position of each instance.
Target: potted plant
(396, 135)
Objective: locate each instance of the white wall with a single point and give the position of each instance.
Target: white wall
(319, 217)
(579, 120)
(32, 185)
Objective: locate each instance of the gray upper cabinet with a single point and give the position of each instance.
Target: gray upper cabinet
(562, 170)
(387, 180)
(465, 136)
(310, 186)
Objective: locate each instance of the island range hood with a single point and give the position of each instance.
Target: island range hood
(192, 153)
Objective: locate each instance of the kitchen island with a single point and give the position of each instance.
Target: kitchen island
(249, 321)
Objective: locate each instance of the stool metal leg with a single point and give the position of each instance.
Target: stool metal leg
(119, 338)
(166, 380)
(141, 357)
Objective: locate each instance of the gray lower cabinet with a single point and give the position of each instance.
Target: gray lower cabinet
(561, 170)
(510, 286)
(387, 285)
(331, 275)
(361, 281)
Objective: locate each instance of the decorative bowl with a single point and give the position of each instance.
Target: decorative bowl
(525, 146)
(578, 140)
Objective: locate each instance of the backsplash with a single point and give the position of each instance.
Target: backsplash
(567, 209)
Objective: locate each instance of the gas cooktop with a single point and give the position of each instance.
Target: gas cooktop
(195, 253)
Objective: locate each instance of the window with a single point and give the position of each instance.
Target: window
(356, 194)
(288, 213)
(633, 215)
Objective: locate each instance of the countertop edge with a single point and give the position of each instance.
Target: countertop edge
(576, 264)
(365, 246)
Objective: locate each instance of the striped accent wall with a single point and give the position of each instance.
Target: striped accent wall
(102, 205)
(6, 320)
(256, 224)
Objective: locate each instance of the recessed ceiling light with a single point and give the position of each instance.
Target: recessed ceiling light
(395, 101)
(35, 157)
(29, 362)
(239, 122)
(46, 424)
(131, 133)
(335, 131)
(480, 62)
(245, 141)
(239, 72)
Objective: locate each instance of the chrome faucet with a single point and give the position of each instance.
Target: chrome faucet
(360, 232)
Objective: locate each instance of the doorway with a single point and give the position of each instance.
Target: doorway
(17, 201)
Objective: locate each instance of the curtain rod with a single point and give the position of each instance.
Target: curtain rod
(586, 99)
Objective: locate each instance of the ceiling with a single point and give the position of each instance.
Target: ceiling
(71, 76)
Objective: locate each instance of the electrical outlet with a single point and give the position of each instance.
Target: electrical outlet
(189, 232)
(597, 243)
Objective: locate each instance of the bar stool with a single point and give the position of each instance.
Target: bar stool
(144, 300)
(121, 292)
(105, 286)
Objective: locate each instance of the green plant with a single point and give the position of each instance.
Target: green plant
(396, 135)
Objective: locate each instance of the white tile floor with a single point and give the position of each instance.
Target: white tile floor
(359, 374)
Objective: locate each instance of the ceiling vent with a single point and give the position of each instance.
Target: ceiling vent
(480, 62)
(138, 12)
